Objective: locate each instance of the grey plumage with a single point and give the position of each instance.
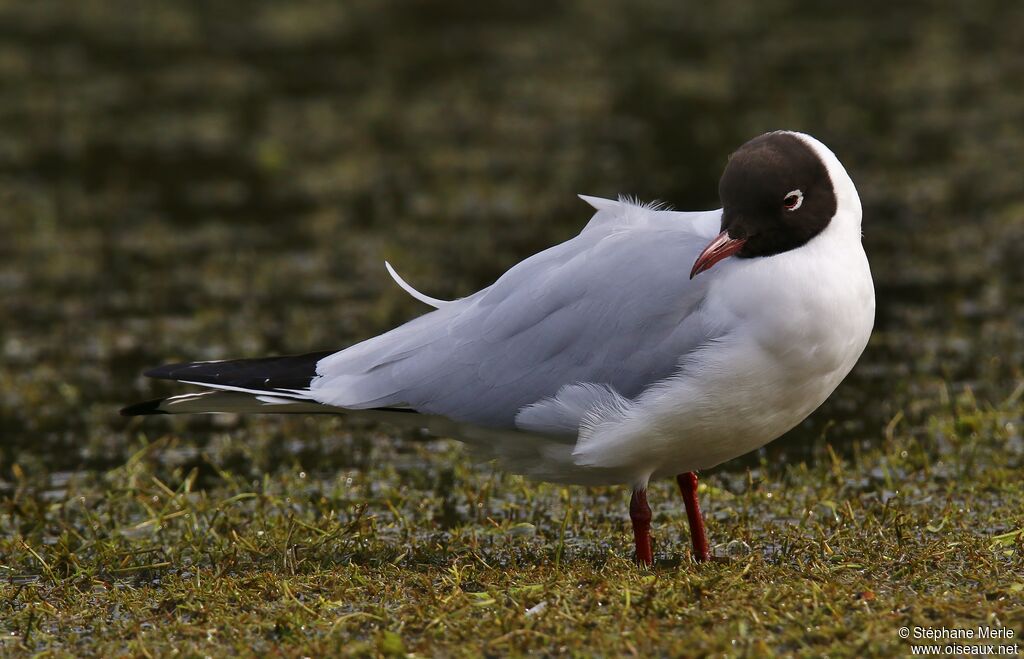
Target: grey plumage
(609, 312)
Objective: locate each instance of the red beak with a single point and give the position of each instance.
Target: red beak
(718, 249)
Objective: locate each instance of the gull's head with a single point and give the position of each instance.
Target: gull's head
(779, 191)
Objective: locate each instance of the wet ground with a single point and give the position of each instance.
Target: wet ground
(184, 181)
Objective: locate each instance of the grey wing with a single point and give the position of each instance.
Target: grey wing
(599, 317)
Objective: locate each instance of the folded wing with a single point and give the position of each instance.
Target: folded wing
(613, 309)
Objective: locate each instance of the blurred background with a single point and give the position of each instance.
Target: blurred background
(197, 180)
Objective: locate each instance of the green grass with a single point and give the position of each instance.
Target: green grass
(424, 554)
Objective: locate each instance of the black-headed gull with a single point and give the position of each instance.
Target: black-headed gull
(636, 350)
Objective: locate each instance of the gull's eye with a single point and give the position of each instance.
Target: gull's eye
(793, 200)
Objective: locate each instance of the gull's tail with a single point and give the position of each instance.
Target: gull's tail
(269, 384)
(212, 402)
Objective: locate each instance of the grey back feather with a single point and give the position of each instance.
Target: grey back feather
(613, 307)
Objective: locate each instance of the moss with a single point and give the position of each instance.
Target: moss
(815, 557)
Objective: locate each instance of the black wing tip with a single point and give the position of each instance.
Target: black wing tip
(168, 371)
(145, 408)
(260, 373)
(404, 410)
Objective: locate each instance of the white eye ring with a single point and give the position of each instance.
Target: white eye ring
(796, 204)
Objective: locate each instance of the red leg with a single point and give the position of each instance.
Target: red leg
(640, 515)
(688, 488)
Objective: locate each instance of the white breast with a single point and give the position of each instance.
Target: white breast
(798, 325)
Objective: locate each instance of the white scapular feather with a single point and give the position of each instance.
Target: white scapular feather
(405, 286)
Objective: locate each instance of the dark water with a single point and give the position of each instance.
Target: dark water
(201, 180)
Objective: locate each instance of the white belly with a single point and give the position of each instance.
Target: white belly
(740, 410)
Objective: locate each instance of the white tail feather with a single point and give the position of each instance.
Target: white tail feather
(425, 299)
(212, 402)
